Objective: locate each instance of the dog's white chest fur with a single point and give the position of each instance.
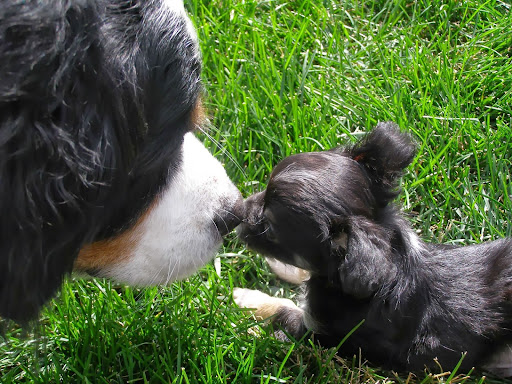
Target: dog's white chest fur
(178, 235)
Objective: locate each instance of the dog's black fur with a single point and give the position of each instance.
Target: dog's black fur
(95, 97)
(331, 213)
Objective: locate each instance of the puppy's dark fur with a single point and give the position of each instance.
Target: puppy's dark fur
(331, 213)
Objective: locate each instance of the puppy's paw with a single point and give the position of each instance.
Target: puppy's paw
(288, 272)
(367, 265)
(250, 298)
(357, 282)
(262, 305)
(362, 280)
(287, 318)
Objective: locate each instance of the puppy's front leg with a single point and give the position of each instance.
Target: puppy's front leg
(281, 312)
(367, 263)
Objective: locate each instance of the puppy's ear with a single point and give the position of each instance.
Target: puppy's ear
(385, 152)
(368, 263)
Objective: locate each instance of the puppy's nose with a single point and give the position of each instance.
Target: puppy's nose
(227, 220)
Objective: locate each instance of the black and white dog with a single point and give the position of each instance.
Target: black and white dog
(99, 167)
(331, 213)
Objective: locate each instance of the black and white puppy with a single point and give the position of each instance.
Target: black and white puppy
(331, 213)
(98, 101)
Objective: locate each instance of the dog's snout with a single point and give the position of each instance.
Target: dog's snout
(227, 220)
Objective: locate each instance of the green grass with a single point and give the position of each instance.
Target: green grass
(281, 78)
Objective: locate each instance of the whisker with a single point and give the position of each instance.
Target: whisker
(262, 233)
(223, 151)
(213, 221)
(171, 271)
(227, 211)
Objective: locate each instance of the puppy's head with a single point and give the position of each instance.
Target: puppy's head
(306, 215)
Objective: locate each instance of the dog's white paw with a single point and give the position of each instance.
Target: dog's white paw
(263, 305)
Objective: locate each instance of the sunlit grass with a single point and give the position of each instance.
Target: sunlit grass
(281, 78)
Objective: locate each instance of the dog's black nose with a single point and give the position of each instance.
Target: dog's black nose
(227, 220)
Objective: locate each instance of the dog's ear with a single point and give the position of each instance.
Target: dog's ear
(367, 264)
(384, 153)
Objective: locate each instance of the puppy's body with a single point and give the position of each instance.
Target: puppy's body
(450, 303)
(330, 213)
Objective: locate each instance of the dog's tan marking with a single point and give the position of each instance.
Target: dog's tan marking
(263, 305)
(198, 115)
(108, 252)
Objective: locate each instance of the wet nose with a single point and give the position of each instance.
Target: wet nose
(227, 220)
